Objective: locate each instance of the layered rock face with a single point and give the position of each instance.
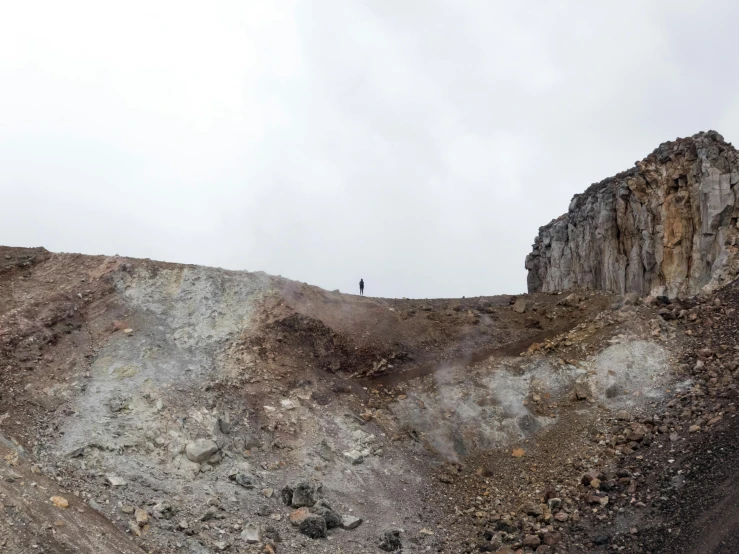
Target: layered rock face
(667, 226)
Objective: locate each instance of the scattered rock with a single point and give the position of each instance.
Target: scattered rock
(354, 457)
(350, 522)
(142, 517)
(302, 494)
(311, 525)
(114, 480)
(245, 480)
(323, 509)
(390, 540)
(251, 533)
(201, 450)
(60, 502)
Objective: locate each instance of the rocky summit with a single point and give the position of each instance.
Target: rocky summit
(668, 226)
(165, 408)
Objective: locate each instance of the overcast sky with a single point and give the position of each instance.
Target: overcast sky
(418, 144)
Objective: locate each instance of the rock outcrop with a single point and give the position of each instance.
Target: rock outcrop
(667, 226)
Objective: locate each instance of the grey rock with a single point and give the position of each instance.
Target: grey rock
(251, 533)
(520, 305)
(201, 450)
(304, 494)
(582, 389)
(313, 526)
(664, 227)
(245, 480)
(251, 442)
(390, 541)
(118, 403)
(224, 424)
(114, 480)
(325, 451)
(350, 522)
(323, 509)
(270, 533)
(354, 457)
(286, 494)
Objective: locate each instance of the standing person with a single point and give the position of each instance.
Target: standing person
(361, 287)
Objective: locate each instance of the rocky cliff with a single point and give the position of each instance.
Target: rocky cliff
(667, 226)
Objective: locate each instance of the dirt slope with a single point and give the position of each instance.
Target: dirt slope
(177, 403)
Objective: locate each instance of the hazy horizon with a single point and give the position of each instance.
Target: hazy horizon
(417, 145)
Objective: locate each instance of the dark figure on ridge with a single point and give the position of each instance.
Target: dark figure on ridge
(361, 287)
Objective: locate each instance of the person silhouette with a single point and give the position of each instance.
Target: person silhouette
(361, 287)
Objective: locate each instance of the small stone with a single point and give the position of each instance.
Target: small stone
(354, 456)
(313, 526)
(323, 509)
(114, 480)
(694, 428)
(299, 515)
(201, 450)
(533, 510)
(350, 522)
(142, 517)
(600, 540)
(263, 510)
(134, 528)
(245, 480)
(304, 494)
(287, 404)
(251, 534)
(390, 540)
(127, 509)
(224, 424)
(267, 493)
(582, 390)
(270, 533)
(60, 502)
(531, 541)
(209, 514)
(518, 452)
(554, 503)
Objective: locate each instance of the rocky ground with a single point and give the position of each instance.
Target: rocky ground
(156, 407)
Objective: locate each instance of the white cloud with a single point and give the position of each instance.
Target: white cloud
(416, 144)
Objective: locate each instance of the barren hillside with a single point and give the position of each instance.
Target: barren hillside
(190, 409)
(155, 407)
